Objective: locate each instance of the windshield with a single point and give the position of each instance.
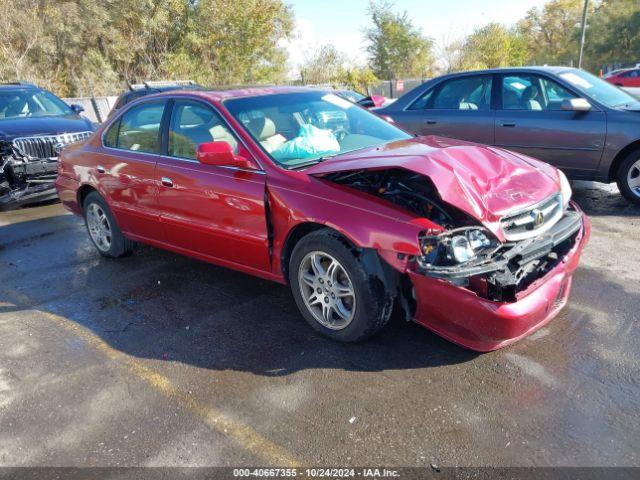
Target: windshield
(350, 95)
(298, 129)
(597, 88)
(31, 103)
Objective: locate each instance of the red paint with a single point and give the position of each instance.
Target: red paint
(378, 100)
(462, 317)
(219, 214)
(221, 154)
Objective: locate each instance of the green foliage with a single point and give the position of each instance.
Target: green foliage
(325, 66)
(360, 79)
(82, 47)
(396, 48)
(552, 33)
(492, 46)
(613, 34)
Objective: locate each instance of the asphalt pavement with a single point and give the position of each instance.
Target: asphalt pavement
(157, 359)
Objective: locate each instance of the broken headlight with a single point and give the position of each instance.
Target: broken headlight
(565, 188)
(454, 246)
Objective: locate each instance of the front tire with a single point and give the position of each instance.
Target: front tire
(103, 228)
(334, 291)
(628, 177)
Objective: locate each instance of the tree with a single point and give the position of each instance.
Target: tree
(238, 39)
(552, 32)
(81, 47)
(492, 46)
(325, 65)
(360, 79)
(395, 47)
(613, 34)
(16, 42)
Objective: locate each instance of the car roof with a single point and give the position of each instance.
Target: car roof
(221, 95)
(503, 70)
(18, 86)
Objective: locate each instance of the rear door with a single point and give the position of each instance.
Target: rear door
(459, 108)
(126, 168)
(529, 119)
(632, 79)
(211, 211)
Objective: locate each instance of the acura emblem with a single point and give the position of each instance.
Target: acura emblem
(538, 218)
(58, 147)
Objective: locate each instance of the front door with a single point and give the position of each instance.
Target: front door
(214, 212)
(530, 120)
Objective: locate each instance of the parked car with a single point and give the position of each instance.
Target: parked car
(359, 217)
(143, 89)
(34, 126)
(371, 101)
(627, 77)
(564, 116)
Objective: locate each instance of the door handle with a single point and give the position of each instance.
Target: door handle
(167, 182)
(509, 124)
(101, 169)
(430, 122)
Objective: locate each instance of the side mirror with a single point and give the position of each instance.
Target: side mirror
(77, 108)
(221, 154)
(576, 105)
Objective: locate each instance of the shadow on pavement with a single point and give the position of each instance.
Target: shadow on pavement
(158, 305)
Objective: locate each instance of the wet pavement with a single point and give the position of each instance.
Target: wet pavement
(156, 359)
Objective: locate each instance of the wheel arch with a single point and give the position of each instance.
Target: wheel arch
(299, 231)
(398, 284)
(82, 193)
(620, 157)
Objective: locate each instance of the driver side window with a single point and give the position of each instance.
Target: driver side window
(193, 123)
(532, 92)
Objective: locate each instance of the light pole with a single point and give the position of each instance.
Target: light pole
(584, 29)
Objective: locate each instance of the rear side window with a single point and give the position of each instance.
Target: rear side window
(138, 129)
(468, 93)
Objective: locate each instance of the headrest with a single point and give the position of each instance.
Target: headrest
(262, 128)
(530, 93)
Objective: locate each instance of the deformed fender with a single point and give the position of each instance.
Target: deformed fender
(391, 280)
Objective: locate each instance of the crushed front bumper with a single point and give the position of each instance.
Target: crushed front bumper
(463, 317)
(36, 183)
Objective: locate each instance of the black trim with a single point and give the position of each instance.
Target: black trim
(164, 127)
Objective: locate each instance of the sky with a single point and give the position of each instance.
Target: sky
(340, 22)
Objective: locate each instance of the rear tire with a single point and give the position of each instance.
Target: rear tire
(628, 177)
(334, 291)
(103, 230)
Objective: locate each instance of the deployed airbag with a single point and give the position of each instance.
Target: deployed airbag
(311, 142)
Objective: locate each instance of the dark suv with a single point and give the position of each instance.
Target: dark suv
(564, 116)
(35, 126)
(149, 88)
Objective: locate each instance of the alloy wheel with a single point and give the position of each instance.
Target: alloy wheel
(99, 227)
(327, 290)
(633, 178)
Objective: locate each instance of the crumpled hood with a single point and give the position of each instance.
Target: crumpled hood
(31, 126)
(485, 182)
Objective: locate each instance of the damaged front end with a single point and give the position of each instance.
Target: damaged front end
(28, 167)
(464, 252)
(472, 258)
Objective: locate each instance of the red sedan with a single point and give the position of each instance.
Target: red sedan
(360, 218)
(628, 77)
